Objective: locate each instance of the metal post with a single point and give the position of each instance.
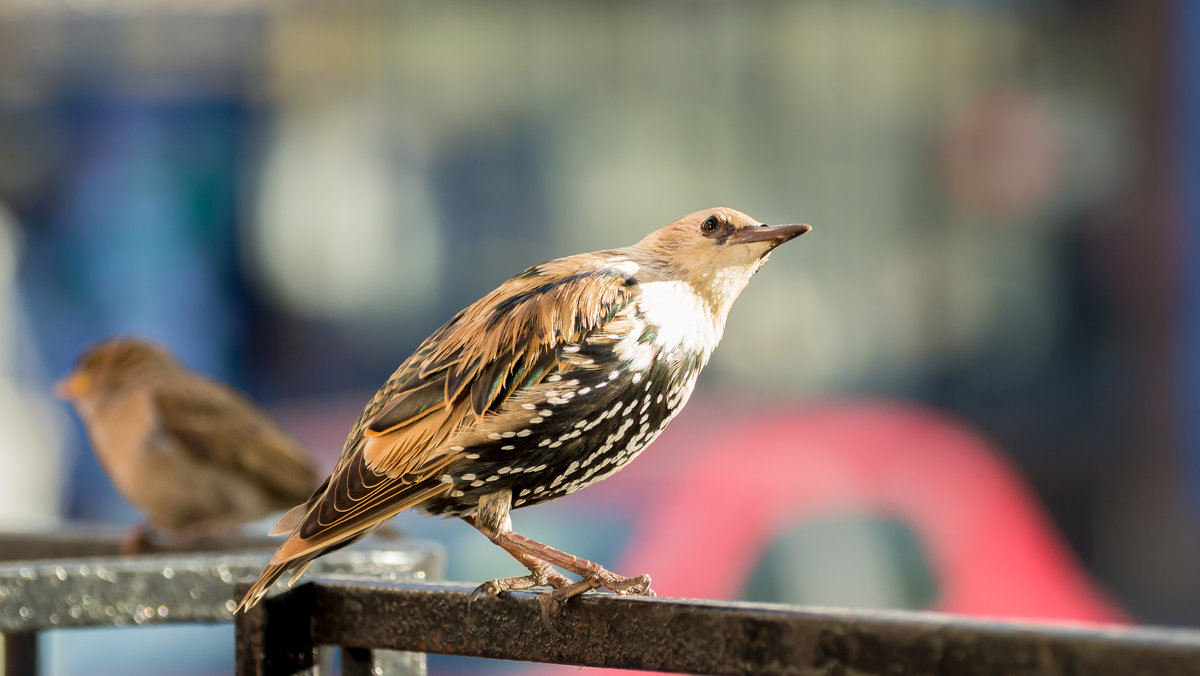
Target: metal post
(364, 662)
(274, 638)
(1187, 167)
(20, 653)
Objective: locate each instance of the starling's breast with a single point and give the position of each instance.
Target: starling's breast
(592, 420)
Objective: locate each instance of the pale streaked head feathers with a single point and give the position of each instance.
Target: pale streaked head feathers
(713, 251)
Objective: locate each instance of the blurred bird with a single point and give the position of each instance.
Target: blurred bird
(548, 384)
(194, 456)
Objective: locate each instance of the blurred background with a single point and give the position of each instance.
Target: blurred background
(974, 387)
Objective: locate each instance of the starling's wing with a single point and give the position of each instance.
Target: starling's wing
(219, 427)
(398, 450)
(504, 343)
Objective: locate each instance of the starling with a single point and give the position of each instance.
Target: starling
(550, 383)
(194, 456)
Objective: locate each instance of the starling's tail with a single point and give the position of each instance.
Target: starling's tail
(267, 578)
(298, 563)
(290, 519)
(311, 537)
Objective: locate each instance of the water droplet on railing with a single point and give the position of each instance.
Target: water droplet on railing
(223, 571)
(53, 618)
(75, 612)
(163, 611)
(60, 573)
(142, 613)
(28, 574)
(168, 572)
(25, 612)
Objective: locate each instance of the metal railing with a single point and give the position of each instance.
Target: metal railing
(281, 635)
(62, 581)
(378, 608)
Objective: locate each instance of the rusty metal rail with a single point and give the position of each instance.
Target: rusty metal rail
(66, 580)
(707, 637)
(20, 647)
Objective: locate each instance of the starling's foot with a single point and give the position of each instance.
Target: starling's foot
(625, 586)
(552, 603)
(597, 576)
(539, 578)
(633, 586)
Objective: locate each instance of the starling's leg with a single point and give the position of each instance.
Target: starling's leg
(540, 572)
(492, 519)
(593, 574)
(540, 575)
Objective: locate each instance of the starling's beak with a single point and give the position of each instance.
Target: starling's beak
(777, 234)
(73, 386)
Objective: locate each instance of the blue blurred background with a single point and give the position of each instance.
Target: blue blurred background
(1000, 289)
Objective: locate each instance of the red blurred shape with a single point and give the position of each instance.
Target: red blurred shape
(992, 548)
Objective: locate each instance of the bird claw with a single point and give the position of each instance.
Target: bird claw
(489, 588)
(624, 586)
(550, 604)
(550, 607)
(630, 586)
(503, 584)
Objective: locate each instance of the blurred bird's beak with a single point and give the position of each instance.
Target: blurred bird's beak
(73, 386)
(778, 234)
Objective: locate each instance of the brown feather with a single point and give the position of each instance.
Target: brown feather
(487, 375)
(217, 426)
(400, 446)
(516, 327)
(188, 451)
(407, 407)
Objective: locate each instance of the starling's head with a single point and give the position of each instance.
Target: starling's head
(716, 250)
(110, 366)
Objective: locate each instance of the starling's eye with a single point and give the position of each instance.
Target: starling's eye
(710, 225)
